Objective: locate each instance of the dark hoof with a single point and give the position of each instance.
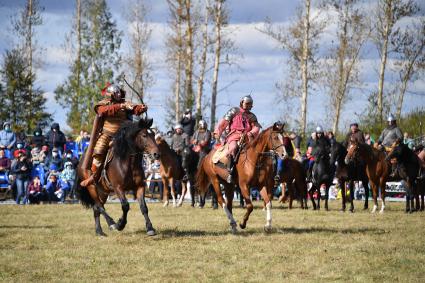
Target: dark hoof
(242, 226)
(101, 234)
(351, 210)
(268, 229)
(342, 210)
(151, 232)
(121, 225)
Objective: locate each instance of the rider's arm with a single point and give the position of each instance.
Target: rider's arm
(221, 126)
(109, 110)
(139, 109)
(255, 130)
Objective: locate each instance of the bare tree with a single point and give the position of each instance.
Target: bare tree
(175, 52)
(140, 34)
(410, 46)
(218, 21)
(202, 62)
(387, 14)
(188, 39)
(300, 40)
(341, 68)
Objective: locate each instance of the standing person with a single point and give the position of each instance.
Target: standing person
(21, 168)
(188, 122)
(114, 111)
(55, 138)
(240, 122)
(38, 139)
(7, 137)
(155, 178)
(201, 140)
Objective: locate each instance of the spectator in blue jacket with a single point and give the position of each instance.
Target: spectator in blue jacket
(7, 137)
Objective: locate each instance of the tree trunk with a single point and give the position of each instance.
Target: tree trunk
(76, 97)
(189, 57)
(216, 62)
(203, 64)
(29, 44)
(179, 63)
(304, 68)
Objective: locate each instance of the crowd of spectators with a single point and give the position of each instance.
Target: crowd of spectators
(39, 167)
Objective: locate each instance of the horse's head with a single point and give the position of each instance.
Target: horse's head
(145, 139)
(276, 141)
(352, 151)
(338, 152)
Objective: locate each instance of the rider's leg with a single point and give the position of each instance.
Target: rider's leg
(99, 154)
(279, 169)
(231, 155)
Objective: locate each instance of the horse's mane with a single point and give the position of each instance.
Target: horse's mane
(259, 138)
(124, 138)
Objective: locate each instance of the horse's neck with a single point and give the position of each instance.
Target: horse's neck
(253, 152)
(370, 155)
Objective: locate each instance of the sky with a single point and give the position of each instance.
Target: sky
(261, 64)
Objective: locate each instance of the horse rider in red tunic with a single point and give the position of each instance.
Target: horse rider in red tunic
(240, 123)
(113, 111)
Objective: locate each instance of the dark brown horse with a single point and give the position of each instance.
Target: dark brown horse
(269, 140)
(171, 170)
(377, 168)
(123, 172)
(293, 175)
(354, 171)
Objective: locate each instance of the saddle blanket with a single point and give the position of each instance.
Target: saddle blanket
(220, 155)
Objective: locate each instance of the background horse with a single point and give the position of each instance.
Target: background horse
(377, 168)
(189, 163)
(171, 170)
(293, 174)
(409, 166)
(122, 172)
(322, 175)
(268, 140)
(354, 171)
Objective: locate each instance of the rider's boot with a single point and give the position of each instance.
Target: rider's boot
(230, 169)
(91, 179)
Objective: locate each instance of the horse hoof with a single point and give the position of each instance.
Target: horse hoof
(242, 226)
(351, 210)
(233, 229)
(165, 204)
(113, 227)
(101, 234)
(151, 233)
(381, 212)
(267, 228)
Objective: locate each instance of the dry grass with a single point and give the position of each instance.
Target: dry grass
(57, 243)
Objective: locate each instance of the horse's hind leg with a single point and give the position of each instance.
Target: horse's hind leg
(249, 206)
(343, 194)
(365, 184)
(98, 227)
(311, 193)
(327, 197)
(150, 231)
(221, 202)
(184, 190)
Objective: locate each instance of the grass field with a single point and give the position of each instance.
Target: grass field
(57, 243)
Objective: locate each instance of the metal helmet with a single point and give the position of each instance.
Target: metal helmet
(390, 118)
(247, 99)
(202, 124)
(115, 92)
(319, 129)
(178, 126)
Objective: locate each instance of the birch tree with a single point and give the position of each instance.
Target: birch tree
(300, 39)
(410, 47)
(138, 58)
(387, 14)
(341, 67)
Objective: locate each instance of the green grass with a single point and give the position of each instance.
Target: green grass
(57, 243)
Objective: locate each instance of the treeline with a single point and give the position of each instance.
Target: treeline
(199, 44)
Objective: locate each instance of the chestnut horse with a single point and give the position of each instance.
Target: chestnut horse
(269, 140)
(123, 172)
(293, 174)
(377, 168)
(171, 170)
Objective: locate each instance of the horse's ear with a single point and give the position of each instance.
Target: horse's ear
(149, 123)
(277, 127)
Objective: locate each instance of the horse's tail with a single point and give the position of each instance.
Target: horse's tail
(202, 179)
(82, 193)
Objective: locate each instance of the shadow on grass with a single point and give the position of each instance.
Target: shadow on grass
(295, 230)
(174, 233)
(27, 226)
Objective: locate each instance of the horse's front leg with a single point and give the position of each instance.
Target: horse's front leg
(343, 194)
(311, 193)
(326, 196)
(150, 231)
(365, 183)
(374, 196)
(184, 190)
(382, 184)
(351, 187)
(249, 206)
(173, 191)
(267, 201)
(166, 183)
(98, 227)
(125, 206)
